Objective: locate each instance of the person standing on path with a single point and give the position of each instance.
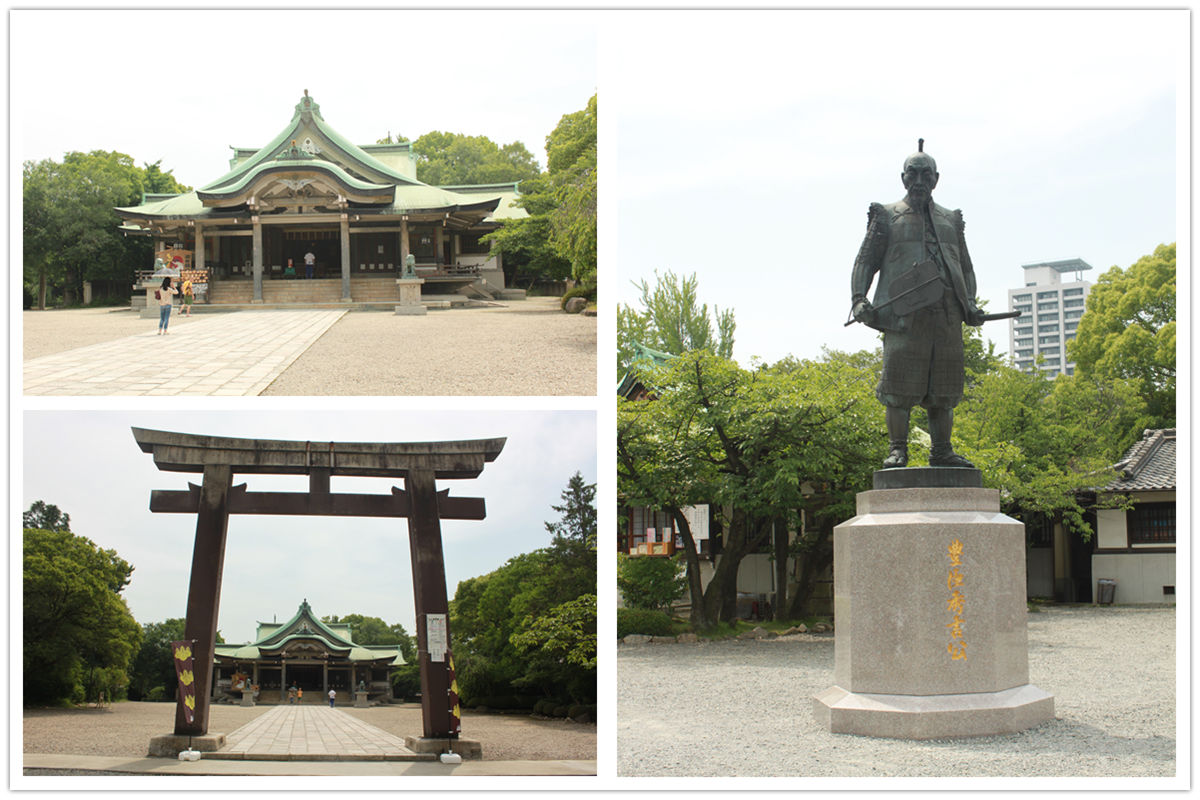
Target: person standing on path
(299, 696)
(164, 294)
(332, 697)
(292, 695)
(309, 261)
(188, 296)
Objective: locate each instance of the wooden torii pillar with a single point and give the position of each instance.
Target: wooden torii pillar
(419, 464)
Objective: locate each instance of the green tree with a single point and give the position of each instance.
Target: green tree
(154, 665)
(650, 583)
(70, 229)
(1040, 441)
(77, 631)
(42, 270)
(673, 320)
(449, 159)
(558, 238)
(561, 648)
(578, 521)
(456, 159)
(46, 517)
(489, 611)
(373, 630)
(754, 440)
(1128, 331)
(156, 181)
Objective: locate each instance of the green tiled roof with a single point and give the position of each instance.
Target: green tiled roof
(281, 164)
(306, 120)
(346, 163)
(304, 626)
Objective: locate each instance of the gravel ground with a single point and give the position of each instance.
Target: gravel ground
(47, 332)
(125, 729)
(529, 347)
(526, 347)
(744, 708)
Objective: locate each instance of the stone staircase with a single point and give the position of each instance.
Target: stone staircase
(319, 291)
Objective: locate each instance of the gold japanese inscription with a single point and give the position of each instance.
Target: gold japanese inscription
(956, 605)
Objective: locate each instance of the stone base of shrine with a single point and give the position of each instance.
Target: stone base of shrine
(945, 716)
(171, 745)
(409, 290)
(467, 748)
(930, 606)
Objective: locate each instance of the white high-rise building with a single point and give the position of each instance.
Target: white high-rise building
(1051, 303)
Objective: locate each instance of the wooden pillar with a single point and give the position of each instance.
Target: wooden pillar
(429, 593)
(204, 591)
(403, 243)
(345, 257)
(439, 246)
(325, 681)
(283, 687)
(455, 248)
(258, 260)
(198, 259)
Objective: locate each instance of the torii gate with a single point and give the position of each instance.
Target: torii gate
(420, 464)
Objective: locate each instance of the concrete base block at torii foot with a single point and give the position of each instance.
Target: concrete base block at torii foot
(171, 745)
(929, 599)
(467, 748)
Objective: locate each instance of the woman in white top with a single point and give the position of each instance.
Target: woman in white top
(164, 294)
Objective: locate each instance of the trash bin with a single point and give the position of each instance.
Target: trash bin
(1106, 590)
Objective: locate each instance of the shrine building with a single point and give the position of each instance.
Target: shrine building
(358, 209)
(313, 655)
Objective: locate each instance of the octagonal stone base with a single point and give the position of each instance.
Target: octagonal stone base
(941, 716)
(929, 601)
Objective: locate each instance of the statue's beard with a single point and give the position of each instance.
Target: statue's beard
(920, 195)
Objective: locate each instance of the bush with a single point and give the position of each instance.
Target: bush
(651, 583)
(582, 290)
(639, 620)
(406, 681)
(157, 695)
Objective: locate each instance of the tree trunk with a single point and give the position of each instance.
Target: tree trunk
(814, 560)
(691, 558)
(42, 288)
(779, 602)
(743, 536)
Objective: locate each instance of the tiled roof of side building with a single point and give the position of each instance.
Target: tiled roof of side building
(1149, 465)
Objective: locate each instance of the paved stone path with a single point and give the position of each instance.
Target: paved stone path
(238, 353)
(313, 733)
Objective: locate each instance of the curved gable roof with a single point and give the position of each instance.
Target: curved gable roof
(307, 122)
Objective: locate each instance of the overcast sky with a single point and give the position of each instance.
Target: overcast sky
(750, 145)
(184, 86)
(88, 464)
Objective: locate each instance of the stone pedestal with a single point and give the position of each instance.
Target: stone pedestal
(929, 601)
(150, 310)
(467, 748)
(360, 699)
(247, 698)
(409, 290)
